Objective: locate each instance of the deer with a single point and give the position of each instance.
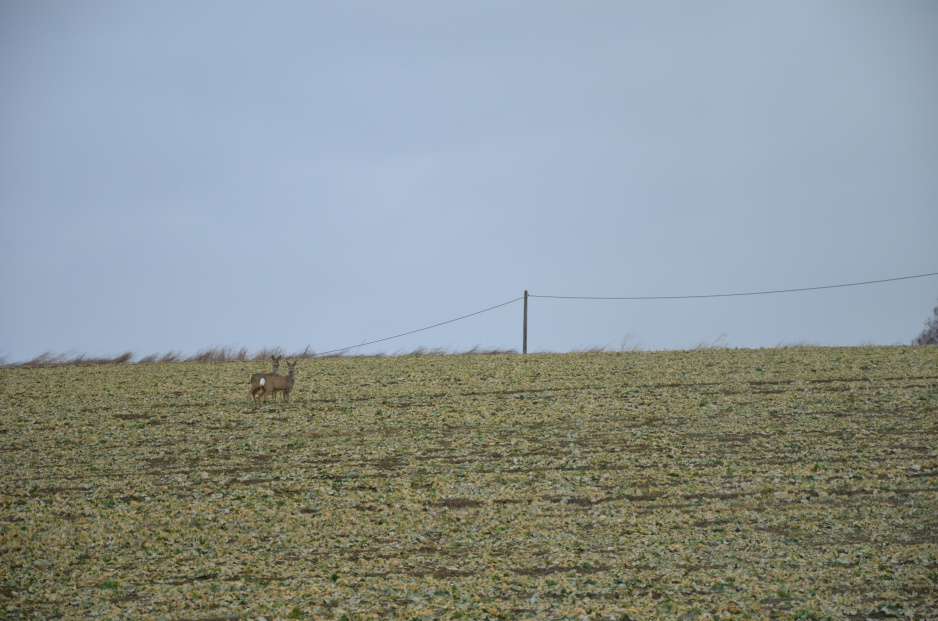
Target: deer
(256, 385)
(272, 383)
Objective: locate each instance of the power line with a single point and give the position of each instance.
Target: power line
(442, 323)
(656, 297)
(727, 295)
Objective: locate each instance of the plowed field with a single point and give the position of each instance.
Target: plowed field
(795, 483)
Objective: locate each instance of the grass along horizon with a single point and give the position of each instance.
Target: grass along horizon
(231, 354)
(794, 483)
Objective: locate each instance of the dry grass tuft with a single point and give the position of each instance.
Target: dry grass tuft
(477, 350)
(307, 353)
(48, 359)
(171, 356)
(796, 344)
(717, 343)
(423, 351)
(630, 343)
(212, 354)
(594, 349)
(266, 353)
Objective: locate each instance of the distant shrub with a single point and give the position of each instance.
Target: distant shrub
(929, 335)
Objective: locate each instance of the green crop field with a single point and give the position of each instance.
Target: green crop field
(793, 483)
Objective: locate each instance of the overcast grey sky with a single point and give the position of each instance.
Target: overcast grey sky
(179, 175)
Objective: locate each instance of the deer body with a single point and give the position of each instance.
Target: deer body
(270, 384)
(257, 385)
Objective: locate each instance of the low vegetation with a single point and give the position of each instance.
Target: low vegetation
(929, 334)
(230, 354)
(793, 483)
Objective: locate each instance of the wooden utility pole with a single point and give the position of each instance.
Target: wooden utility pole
(524, 345)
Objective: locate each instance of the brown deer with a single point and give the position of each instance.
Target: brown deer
(272, 383)
(256, 385)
